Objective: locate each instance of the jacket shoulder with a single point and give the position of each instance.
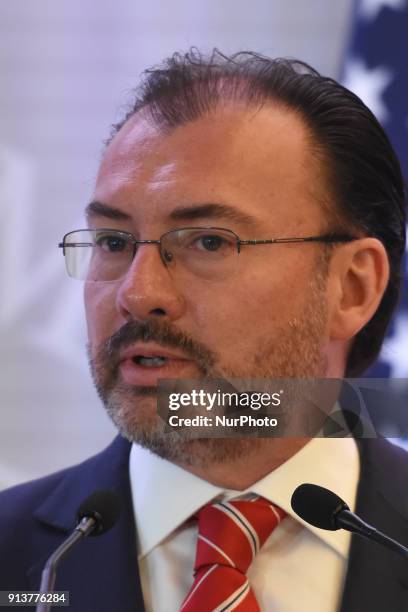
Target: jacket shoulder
(36, 516)
(19, 503)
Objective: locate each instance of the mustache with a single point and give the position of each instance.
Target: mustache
(161, 332)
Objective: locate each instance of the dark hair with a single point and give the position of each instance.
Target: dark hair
(364, 172)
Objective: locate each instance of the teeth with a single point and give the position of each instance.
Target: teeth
(151, 362)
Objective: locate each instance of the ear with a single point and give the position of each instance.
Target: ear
(359, 273)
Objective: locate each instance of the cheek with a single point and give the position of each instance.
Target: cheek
(239, 315)
(100, 311)
(230, 317)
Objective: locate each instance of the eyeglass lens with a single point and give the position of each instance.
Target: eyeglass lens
(106, 255)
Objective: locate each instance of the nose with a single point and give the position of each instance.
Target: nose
(148, 290)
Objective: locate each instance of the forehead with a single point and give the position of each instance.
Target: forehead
(258, 161)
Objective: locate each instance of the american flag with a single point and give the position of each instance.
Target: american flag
(376, 69)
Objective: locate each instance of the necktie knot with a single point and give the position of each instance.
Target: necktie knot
(232, 533)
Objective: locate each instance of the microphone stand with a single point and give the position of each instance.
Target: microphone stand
(351, 522)
(83, 529)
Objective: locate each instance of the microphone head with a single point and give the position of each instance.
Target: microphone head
(103, 507)
(318, 506)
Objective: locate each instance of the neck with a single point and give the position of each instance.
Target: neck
(244, 469)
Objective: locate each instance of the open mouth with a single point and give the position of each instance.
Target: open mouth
(150, 362)
(146, 364)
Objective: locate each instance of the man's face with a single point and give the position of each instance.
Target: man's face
(268, 319)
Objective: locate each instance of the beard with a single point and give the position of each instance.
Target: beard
(295, 351)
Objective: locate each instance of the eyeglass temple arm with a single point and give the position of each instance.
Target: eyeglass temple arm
(327, 238)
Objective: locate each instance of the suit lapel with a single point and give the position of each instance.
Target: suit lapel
(377, 579)
(101, 573)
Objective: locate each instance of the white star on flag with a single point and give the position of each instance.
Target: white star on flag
(369, 9)
(369, 84)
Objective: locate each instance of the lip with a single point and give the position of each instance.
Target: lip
(151, 349)
(177, 365)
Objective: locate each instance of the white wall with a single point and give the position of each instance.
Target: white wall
(66, 67)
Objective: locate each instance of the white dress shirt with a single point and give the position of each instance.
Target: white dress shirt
(299, 569)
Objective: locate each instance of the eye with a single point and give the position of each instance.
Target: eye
(210, 242)
(111, 243)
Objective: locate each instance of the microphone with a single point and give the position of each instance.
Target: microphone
(101, 506)
(324, 509)
(96, 515)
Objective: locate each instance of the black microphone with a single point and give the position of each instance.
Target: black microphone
(96, 515)
(324, 509)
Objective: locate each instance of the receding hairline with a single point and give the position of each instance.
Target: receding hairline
(320, 160)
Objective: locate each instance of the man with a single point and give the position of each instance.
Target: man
(257, 150)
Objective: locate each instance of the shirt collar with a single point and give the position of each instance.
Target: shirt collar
(333, 463)
(157, 484)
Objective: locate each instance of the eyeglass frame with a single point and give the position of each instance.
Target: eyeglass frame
(329, 238)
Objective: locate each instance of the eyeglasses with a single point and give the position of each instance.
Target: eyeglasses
(210, 253)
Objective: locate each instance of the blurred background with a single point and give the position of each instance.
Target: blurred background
(66, 72)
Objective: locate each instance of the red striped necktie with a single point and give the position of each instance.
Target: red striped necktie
(230, 534)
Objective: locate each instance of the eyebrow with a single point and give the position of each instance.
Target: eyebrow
(98, 209)
(213, 210)
(185, 213)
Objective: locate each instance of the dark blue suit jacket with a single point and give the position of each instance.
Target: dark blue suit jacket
(102, 573)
